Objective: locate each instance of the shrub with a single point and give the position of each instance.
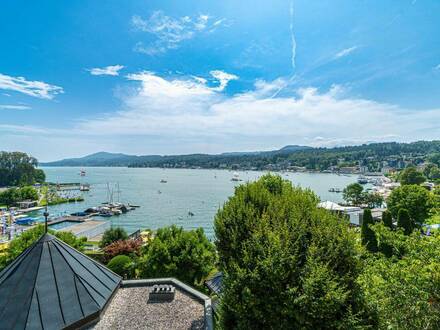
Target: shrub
(174, 252)
(113, 235)
(129, 247)
(121, 265)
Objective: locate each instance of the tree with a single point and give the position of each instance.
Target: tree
(112, 235)
(404, 221)
(11, 196)
(286, 263)
(373, 199)
(403, 291)
(17, 168)
(121, 265)
(410, 175)
(416, 199)
(174, 252)
(387, 219)
(353, 194)
(367, 233)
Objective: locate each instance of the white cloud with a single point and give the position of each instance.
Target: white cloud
(111, 70)
(186, 115)
(184, 108)
(38, 89)
(292, 37)
(13, 107)
(346, 51)
(223, 78)
(170, 32)
(437, 67)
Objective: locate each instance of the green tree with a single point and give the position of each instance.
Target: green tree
(11, 196)
(17, 168)
(373, 199)
(417, 200)
(286, 263)
(353, 194)
(173, 252)
(410, 175)
(112, 235)
(121, 265)
(403, 291)
(367, 233)
(405, 222)
(387, 219)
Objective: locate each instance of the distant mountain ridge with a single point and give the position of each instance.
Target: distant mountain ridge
(371, 157)
(119, 159)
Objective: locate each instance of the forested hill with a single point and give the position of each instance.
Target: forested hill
(373, 156)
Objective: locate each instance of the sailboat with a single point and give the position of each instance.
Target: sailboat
(235, 177)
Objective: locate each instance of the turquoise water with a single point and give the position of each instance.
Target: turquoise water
(201, 192)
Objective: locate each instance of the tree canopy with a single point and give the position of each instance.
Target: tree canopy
(410, 175)
(416, 199)
(112, 235)
(11, 196)
(18, 168)
(187, 255)
(286, 263)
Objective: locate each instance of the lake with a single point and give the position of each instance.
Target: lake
(199, 191)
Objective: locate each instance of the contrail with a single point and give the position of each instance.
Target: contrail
(292, 34)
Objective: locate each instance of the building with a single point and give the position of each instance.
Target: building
(53, 286)
(353, 213)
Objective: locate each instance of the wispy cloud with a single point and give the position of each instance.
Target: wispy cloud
(292, 37)
(13, 107)
(437, 67)
(346, 52)
(223, 78)
(170, 32)
(38, 89)
(111, 70)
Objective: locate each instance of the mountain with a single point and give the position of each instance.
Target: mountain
(120, 159)
(98, 159)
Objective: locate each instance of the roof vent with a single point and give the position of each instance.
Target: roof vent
(163, 292)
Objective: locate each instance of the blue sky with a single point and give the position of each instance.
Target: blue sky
(169, 77)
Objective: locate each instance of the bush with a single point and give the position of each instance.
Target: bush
(173, 252)
(287, 264)
(112, 235)
(129, 247)
(387, 219)
(121, 265)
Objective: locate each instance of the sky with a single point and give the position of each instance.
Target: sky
(175, 77)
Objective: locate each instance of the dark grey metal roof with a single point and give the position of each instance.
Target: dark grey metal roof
(53, 286)
(215, 283)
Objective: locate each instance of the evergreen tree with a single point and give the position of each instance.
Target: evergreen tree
(387, 219)
(367, 233)
(404, 221)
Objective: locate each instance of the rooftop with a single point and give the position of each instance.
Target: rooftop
(131, 309)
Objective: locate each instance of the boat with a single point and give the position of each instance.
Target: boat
(163, 181)
(190, 214)
(84, 187)
(235, 177)
(362, 180)
(82, 173)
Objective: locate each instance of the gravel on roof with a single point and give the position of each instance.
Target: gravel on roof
(130, 309)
